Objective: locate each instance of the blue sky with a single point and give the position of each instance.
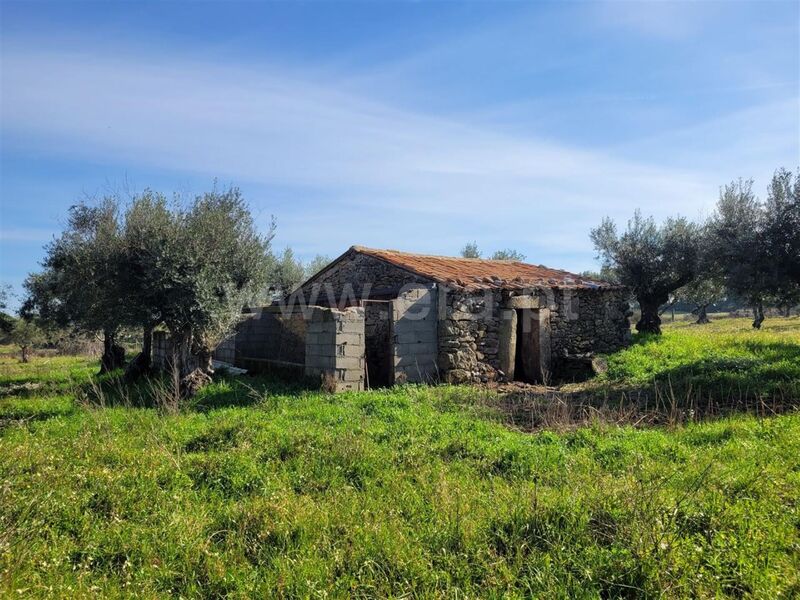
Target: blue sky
(417, 126)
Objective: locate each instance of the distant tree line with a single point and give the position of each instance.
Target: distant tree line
(748, 249)
(470, 250)
(188, 266)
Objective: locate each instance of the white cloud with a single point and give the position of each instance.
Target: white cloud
(397, 178)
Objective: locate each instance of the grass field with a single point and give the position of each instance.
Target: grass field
(260, 488)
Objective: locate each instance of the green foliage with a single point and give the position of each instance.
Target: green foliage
(79, 285)
(652, 260)
(315, 265)
(738, 242)
(263, 489)
(26, 335)
(782, 231)
(212, 266)
(508, 254)
(6, 320)
(189, 266)
(470, 250)
(288, 273)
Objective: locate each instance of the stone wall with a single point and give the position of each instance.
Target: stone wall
(469, 330)
(473, 327)
(352, 276)
(264, 340)
(588, 322)
(335, 348)
(414, 336)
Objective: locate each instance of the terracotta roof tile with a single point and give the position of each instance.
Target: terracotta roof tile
(478, 273)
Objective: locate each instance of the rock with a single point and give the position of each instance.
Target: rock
(194, 382)
(457, 376)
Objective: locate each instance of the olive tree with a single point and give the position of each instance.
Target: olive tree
(26, 335)
(79, 285)
(782, 236)
(652, 260)
(508, 254)
(315, 265)
(288, 272)
(708, 287)
(210, 262)
(739, 244)
(150, 229)
(471, 250)
(6, 320)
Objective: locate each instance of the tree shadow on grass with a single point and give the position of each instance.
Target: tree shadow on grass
(22, 417)
(248, 390)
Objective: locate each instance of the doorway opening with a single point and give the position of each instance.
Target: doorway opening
(377, 343)
(527, 357)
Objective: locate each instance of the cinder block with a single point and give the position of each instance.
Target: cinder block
(354, 386)
(344, 327)
(355, 352)
(344, 362)
(321, 362)
(351, 375)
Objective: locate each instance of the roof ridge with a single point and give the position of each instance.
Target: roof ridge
(478, 273)
(367, 250)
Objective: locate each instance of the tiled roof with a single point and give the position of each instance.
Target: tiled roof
(478, 273)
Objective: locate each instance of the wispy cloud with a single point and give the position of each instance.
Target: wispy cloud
(26, 235)
(395, 177)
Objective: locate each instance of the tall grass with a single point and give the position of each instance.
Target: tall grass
(263, 488)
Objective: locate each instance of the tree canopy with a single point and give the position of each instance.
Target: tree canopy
(190, 266)
(652, 260)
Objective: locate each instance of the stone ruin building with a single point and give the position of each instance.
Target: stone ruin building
(374, 318)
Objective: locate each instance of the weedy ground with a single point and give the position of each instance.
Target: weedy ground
(265, 488)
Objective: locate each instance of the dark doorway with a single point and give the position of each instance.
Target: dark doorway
(377, 330)
(527, 358)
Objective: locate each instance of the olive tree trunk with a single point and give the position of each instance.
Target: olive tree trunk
(113, 354)
(758, 315)
(191, 364)
(702, 315)
(24, 353)
(650, 321)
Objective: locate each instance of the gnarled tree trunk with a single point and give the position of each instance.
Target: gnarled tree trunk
(702, 315)
(113, 354)
(24, 353)
(758, 315)
(188, 379)
(650, 321)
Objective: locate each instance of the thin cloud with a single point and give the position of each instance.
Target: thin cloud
(385, 174)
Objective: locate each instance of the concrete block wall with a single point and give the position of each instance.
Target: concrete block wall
(270, 339)
(226, 350)
(335, 346)
(414, 336)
